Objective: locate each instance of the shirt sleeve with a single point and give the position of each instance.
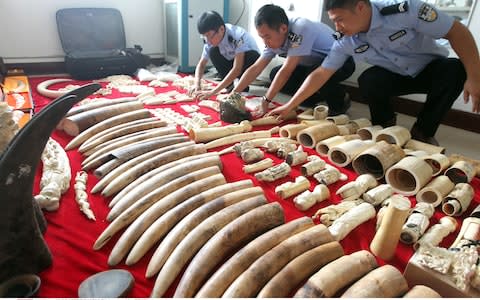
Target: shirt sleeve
(206, 51)
(335, 58)
(429, 20)
(304, 47)
(268, 53)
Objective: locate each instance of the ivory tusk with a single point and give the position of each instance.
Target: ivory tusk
(121, 171)
(383, 282)
(437, 232)
(163, 204)
(162, 225)
(233, 236)
(320, 112)
(311, 136)
(134, 171)
(343, 154)
(299, 269)
(290, 131)
(240, 137)
(475, 163)
(394, 135)
(240, 261)
(377, 159)
(171, 180)
(359, 214)
(258, 166)
(258, 142)
(409, 175)
(96, 103)
(337, 275)
(250, 282)
(438, 162)
(324, 146)
(197, 238)
(110, 122)
(436, 190)
(42, 88)
(458, 200)
(421, 291)
(339, 120)
(417, 145)
(369, 132)
(193, 219)
(139, 187)
(213, 133)
(75, 124)
(289, 189)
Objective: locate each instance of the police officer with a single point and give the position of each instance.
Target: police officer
(231, 49)
(305, 44)
(398, 39)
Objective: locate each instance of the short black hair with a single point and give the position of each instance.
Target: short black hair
(347, 4)
(209, 20)
(271, 15)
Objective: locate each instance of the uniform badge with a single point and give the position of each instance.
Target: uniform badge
(295, 39)
(427, 13)
(397, 35)
(362, 48)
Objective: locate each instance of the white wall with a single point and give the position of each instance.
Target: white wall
(29, 30)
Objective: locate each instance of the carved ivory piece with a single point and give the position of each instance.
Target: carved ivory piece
(296, 157)
(81, 194)
(417, 145)
(210, 134)
(351, 219)
(274, 173)
(394, 135)
(55, 177)
(291, 130)
(409, 175)
(252, 155)
(461, 171)
(458, 201)
(436, 190)
(354, 190)
(288, 189)
(360, 123)
(377, 159)
(310, 136)
(320, 112)
(369, 132)
(401, 201)
(258, 166)
(417, 223)
(284, 149)
(324, 146)
(330, 213)
(329, 175)
(378, 194)
(8, 127)
(339, 120)
(307, 199)
(438, 162)
(387, 236)
(437, 232)
(314, 165)
(343, 154)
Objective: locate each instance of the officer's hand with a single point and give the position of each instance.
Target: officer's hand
(201, 95)
(472, 91)
(281, 112)
(192, 90)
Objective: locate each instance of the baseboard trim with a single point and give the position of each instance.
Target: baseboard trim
(456, 118)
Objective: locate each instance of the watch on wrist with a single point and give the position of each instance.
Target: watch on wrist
(266, 99)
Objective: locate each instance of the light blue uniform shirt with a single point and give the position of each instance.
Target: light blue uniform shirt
(403, 42)
(311, 40)
(236, 40)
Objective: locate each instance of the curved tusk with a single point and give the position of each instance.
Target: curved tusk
(42, 88)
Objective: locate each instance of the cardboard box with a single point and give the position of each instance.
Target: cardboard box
(17, 92)
(19, 101)
(415, 274)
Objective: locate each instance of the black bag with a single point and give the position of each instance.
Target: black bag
(94, 42)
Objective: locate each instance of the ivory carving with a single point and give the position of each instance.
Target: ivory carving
(458, 201)
(252, 155)
(329, 214)
(258, 166)
(307, 199)
(378, 194)
(314, 165)
(394, 135)
(42, 88)
(437, 232)
(320, 112)
(400, 200)
(329, 175)
(417, 223)
(342, 226)
(354, 190)
(242, 146)
(288, 189)
(81, 194)
(461, 171)
(274, 173)
(296, 157)
(436, 190)
(284, 149)
(55, 177)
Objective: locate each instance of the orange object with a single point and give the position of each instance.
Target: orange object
(27, 116)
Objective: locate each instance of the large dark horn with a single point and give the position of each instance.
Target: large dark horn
(22, 247)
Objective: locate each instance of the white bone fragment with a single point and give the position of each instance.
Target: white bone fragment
(258, 166)
(307, 199)
(354, 189)
(81, 194)
(329, 214)
(342, 226)
(274, 173)
(288, 189)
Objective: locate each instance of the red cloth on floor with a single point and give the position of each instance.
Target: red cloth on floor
(70, 235)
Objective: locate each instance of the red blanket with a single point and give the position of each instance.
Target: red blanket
(70, 235)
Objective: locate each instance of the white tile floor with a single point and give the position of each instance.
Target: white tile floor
(453, 139)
